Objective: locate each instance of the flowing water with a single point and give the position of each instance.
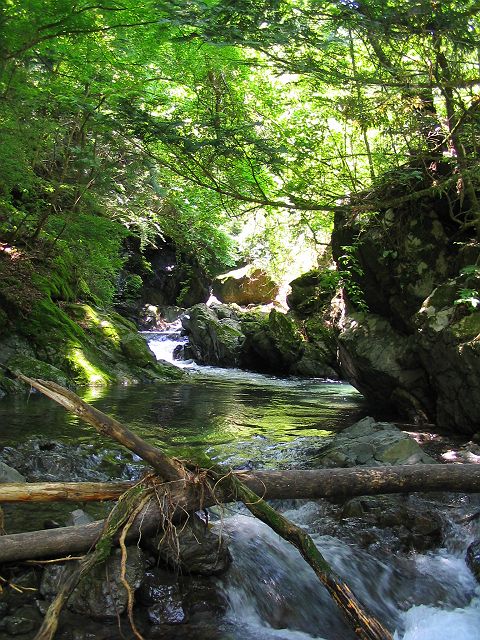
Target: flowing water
(242, 419)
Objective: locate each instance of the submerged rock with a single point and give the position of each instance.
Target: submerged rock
(371, 443)
(393, 522)
(9, 474)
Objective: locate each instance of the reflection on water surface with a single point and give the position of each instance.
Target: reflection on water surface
(257, 419)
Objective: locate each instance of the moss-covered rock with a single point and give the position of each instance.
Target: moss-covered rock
(273, 343)
(34, 368)
(213, 340)
(136, 350)
(78, 344)
(312, 291)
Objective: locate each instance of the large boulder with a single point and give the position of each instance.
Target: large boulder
(273, 343)
(214, 340)
(416, 350)
(312, 291)
(383, 364)
(245, 286)
(371, 443)
(448, 339)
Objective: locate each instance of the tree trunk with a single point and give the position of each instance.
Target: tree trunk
(62, 491)
(321, 483)
(334, 484)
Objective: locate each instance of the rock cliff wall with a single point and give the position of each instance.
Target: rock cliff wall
(414, 347)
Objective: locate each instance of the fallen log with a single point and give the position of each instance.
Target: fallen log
(366, 626)
(62, 491)
(310, 484)
(299, 483)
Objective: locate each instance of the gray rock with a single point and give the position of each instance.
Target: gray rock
(417, 350)
(449, 349)
(9, 474)
(168, 611)
(313, 364)
(383, 364)
(77, 518)
(312, 291)
(404, 525)
(22, 621)
(273, 343)
(371, 443)
(101, 594)
(473, 559)
(197, 550)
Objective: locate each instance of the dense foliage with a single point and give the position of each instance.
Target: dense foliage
(226, 120)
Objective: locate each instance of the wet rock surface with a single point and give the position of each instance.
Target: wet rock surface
(50, 461)
(268, 342)
(394, 522)
(196, 549)
(473, 559)
(101, 595)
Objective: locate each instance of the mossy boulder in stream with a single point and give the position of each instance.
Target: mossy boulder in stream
(215, 338)
(371, 443)
(255, 340)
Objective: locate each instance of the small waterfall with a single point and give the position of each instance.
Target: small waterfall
(273, 593)
(164, 343)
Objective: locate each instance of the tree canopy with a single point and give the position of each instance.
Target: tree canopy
(209, 122)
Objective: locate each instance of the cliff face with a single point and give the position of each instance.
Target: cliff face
(415, 345)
